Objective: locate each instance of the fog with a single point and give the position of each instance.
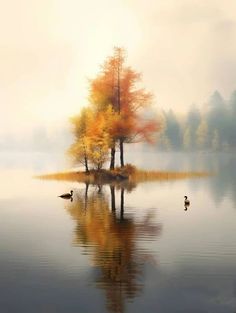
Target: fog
(185, 50)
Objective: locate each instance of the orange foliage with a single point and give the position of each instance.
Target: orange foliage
(125, 99)
(117, 113)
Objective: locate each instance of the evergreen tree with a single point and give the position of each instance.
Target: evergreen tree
(202, 135)
(232, 121)
(173, 130)
(215, 141)
(192, 123)
(187, 139)
(217, 117)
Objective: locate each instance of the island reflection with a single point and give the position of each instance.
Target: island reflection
(110, 238)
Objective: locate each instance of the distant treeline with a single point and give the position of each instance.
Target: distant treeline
(214, 129)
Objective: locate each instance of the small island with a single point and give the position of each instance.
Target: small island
(127, 176)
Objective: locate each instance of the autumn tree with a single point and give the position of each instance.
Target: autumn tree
(116, 85)
(92, 131)
(79, 150)
(116, 115)
(104, 93)
(99, 139)
(134, 124)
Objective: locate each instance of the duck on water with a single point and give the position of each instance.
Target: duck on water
(186, 203)
(67, 195)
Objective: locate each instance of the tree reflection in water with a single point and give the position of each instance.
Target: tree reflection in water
(113, 237)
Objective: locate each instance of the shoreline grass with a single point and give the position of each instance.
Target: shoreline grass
(128, 173)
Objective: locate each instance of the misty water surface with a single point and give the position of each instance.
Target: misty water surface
(115, 250)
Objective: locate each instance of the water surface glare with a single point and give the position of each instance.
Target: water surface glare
(113, 250)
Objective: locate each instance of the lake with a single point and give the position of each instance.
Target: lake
(118, 250)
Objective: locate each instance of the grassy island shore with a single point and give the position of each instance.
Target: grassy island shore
(127, 173)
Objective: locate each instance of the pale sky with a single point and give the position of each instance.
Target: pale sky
(185, 49)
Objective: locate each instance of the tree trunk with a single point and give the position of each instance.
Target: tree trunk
(122, 164)
(86, 164)
(112, 162)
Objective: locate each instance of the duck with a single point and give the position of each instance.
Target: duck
(67, 195)
(186, 201)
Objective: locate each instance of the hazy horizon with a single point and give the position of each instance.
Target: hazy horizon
(184, 49)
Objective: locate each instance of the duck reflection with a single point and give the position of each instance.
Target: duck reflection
(186, 206)
(113, 237)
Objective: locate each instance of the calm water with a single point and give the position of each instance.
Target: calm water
(119, 250)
